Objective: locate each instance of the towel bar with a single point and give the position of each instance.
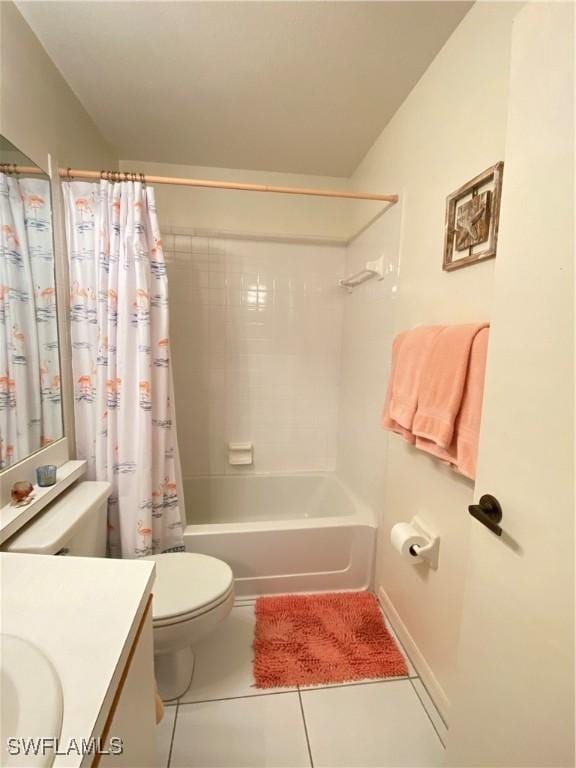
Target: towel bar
(373, 269)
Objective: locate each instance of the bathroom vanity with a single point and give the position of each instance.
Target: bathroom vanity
(91, 617)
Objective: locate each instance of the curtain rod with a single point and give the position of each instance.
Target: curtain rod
(73, 173)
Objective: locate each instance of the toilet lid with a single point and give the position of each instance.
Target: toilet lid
(187, 582)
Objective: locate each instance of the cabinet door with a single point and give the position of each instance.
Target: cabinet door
(515, 701)
(133, 719)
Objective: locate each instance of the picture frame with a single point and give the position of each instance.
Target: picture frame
(472, 218)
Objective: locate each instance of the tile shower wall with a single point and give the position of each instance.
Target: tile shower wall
(256, 334)
(366, 347)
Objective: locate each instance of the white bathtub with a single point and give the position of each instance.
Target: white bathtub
(282, 533)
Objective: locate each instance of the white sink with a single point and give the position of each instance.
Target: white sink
(31, 701)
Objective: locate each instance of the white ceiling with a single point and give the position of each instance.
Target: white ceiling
(302, 87)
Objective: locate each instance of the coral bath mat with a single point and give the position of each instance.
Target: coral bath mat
(326, 638)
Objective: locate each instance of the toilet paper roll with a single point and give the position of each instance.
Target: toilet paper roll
(403, 536)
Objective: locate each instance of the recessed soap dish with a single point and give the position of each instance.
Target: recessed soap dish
(240, 454)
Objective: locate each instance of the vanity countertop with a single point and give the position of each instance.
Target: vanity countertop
(83, 613)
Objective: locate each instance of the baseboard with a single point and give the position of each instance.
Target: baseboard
(428, 678)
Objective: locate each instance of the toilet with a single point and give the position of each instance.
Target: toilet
(192, 593)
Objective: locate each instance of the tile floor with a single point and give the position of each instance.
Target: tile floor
(223, 721)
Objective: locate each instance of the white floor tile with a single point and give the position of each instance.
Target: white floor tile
(251, 732)
(223, 666)
(381, 725)
(164, 737)
(365, 681)
(430, 707)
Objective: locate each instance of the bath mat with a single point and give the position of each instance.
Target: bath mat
(325, 638)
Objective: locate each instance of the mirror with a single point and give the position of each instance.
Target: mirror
(30, 399)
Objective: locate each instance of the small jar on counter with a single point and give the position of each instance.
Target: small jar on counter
(46, 475)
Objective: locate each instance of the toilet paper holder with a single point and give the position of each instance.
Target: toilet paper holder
(428, 552)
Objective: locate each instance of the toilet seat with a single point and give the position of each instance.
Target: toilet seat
(187, 586)
(183, 617)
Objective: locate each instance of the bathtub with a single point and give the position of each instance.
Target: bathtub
(282, 533)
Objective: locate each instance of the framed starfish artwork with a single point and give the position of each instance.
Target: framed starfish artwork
(472, 215)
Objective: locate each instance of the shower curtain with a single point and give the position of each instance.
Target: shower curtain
(30, 403)
(121, 361)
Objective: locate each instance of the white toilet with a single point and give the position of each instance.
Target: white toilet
(192, 593)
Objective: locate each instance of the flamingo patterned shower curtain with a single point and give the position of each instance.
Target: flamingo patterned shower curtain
(121, 361)
(30, 402)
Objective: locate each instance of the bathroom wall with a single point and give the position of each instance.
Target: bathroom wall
(256, 333)
(451, 127)
(39, 113)
(253, 213)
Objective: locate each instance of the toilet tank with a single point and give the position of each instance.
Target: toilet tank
(74, 524)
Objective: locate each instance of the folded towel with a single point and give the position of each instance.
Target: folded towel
(409, 353)
(442, 383)
(387, 422)
(463, 450)
(446, 455)
(468, 424)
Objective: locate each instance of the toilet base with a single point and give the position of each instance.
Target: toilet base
(174, 672)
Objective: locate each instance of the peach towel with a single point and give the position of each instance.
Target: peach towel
(463, 451)
(442, 383)
(468, 425)
(409, 353)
